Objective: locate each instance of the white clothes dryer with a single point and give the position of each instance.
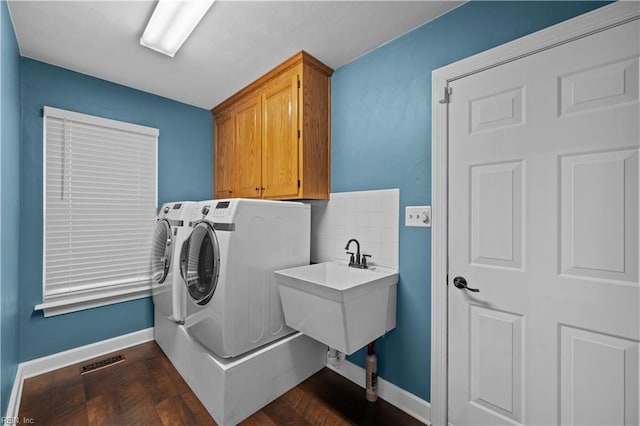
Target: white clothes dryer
(227, 265)
(169, 294)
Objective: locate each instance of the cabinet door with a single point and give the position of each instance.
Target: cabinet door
(248, 156)
(223, 155)
(280, 137)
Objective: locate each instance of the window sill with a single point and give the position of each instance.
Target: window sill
(74, 303)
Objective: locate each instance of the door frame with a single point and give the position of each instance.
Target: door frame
(595, 21)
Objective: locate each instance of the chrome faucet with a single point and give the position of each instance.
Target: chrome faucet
(357, 261)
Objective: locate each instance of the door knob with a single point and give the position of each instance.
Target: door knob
(461, 283)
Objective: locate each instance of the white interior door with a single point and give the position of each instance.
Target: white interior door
(543, 205)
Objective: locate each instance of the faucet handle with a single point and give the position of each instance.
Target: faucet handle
(364, 260)
(352, 260)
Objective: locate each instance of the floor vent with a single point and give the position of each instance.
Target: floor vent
(103, 363)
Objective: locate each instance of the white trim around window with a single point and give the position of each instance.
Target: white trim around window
(99, 208)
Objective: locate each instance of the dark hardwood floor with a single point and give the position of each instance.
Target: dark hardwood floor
(147, 390)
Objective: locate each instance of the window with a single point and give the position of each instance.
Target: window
(100, 186)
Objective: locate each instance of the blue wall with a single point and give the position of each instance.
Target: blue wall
(9, 204)
(381, 138)
(184, 172)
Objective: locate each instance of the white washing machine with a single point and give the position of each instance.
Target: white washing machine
(169, 294)
(227, 265)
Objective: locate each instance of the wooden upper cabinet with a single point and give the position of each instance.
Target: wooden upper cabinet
(223, 153)
(281, 134)
(248, 148)
(280, 137)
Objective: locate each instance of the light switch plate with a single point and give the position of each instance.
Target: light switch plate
(417, 216)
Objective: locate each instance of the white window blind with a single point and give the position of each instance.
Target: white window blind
(100, 186)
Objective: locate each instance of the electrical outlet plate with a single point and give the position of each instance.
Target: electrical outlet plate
(417, 216)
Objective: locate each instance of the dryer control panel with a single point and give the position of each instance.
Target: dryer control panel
(222, 211)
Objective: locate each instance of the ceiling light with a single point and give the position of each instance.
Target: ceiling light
(171, 23)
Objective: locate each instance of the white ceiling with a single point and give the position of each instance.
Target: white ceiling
(235, 43)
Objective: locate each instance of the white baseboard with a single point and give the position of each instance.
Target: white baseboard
(16, 393)
(400, 398)
(48, 363)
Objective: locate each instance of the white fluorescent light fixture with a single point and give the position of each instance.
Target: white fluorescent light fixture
(171, 23)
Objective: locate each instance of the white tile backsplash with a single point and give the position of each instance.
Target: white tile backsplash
(371, 217)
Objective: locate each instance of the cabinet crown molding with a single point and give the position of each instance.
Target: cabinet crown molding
(301, 57)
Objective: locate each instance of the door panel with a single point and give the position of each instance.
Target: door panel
(280, 138)
(248, 148)
(543, 202)
(597, 188)
(496, 214)
(600, 87)
(223, 155)
(496, 370)
(599, 378)
(497, 110)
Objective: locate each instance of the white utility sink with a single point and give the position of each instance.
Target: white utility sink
(340, 306)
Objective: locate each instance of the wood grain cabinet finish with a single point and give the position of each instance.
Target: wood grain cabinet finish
(248, 159)
(224, 152)
(280, 135)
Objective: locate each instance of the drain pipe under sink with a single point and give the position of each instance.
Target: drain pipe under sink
(335, 357)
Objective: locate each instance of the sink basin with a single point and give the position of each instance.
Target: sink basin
(336, 280)
(343, 307)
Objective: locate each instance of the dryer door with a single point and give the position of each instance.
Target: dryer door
(200, 263)
(161, 251)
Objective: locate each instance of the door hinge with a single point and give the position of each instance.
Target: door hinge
(298, 183)
(298, 84)
(446, 95)
(298, 134)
